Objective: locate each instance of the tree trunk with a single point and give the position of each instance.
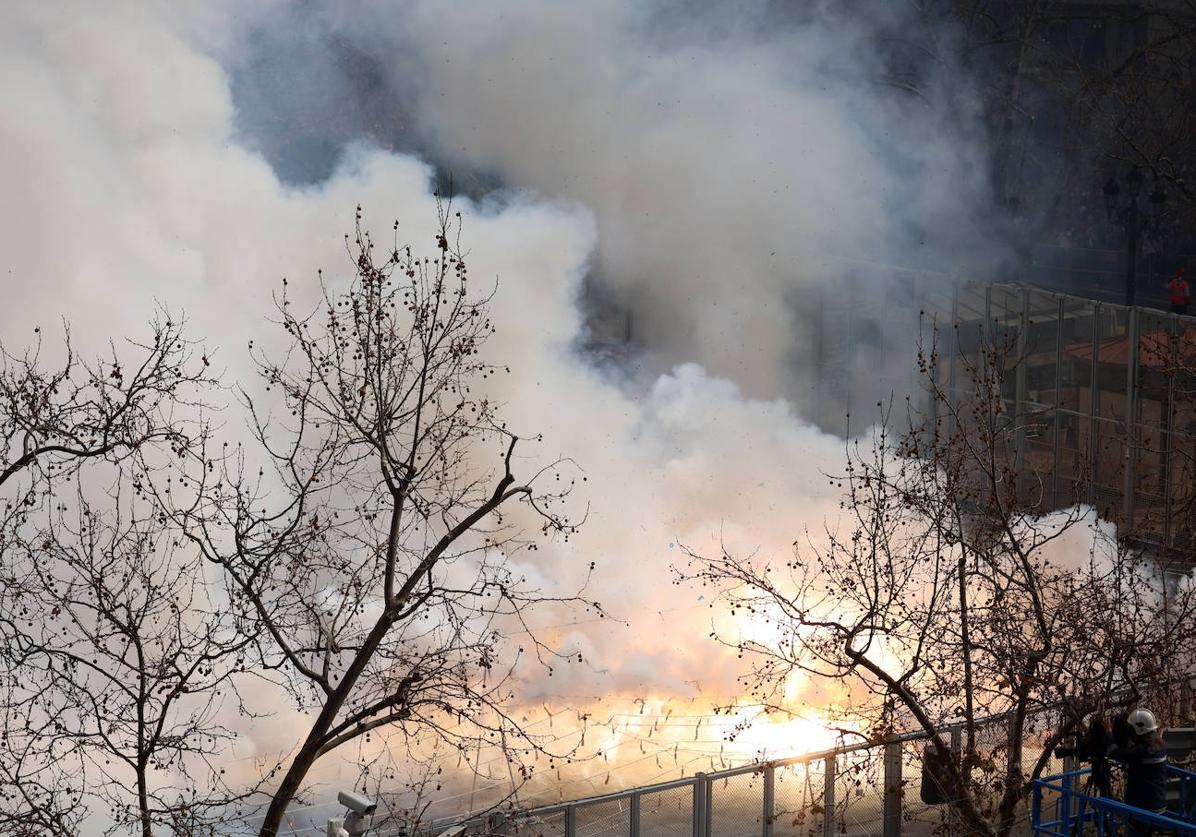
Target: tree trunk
(292, 781)
(1014, 776)
(143, 812)
(307, 756)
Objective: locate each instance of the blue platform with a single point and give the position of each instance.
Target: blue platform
(1060, 808)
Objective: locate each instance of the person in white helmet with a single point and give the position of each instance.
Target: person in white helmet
(1145, 760)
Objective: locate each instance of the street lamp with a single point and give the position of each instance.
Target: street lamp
(1125, 211)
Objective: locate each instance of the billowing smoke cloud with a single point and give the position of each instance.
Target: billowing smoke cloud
(732, 154)
(704, 168)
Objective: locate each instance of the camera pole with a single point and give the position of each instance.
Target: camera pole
(1071, 764)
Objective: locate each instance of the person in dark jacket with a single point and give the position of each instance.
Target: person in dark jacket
(1145, 761)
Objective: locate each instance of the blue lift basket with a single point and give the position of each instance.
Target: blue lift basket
(1061, 808)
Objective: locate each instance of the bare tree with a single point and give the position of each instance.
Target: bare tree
(60, 415)
(943, 597)
(132, 657)
(371, 544)
(41, 785)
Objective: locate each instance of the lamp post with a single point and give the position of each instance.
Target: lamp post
(1125, 210)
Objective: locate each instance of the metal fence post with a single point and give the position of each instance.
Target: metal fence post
(1168, 446)
(635, 815)
(1069, 807)
(1019, 388)
(699, 806)
(708, 817)
(1090, 454)
(828, 797)
(769, 800)
(1130, 451)
(571, 821)
(1056, 431)
(892, 786)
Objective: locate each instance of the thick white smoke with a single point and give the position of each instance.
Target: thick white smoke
(706, 175)
(732, 154)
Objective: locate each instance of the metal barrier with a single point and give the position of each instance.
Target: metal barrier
(1101, 395)
(861, 790)
(851, 791)
(1072, 810)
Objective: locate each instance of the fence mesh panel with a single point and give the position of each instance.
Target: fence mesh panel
(549, 825)
(737, 805)
(917, 818)
(667, 813)
(604, 819)
(797, 800)
(859, 794)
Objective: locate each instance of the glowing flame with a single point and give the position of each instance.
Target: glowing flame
(777, 737)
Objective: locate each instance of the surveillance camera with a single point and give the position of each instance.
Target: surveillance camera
(361, 813)
(357, 804)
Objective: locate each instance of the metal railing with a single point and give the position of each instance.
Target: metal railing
(1102, 396)
(1073, 810)
(847, 791)
(860, 790)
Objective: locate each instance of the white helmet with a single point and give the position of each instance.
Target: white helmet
(1142, 721)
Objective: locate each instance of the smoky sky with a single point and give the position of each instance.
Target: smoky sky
(735, 156)
(302, 100)
(709, 169)
(307, 85)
